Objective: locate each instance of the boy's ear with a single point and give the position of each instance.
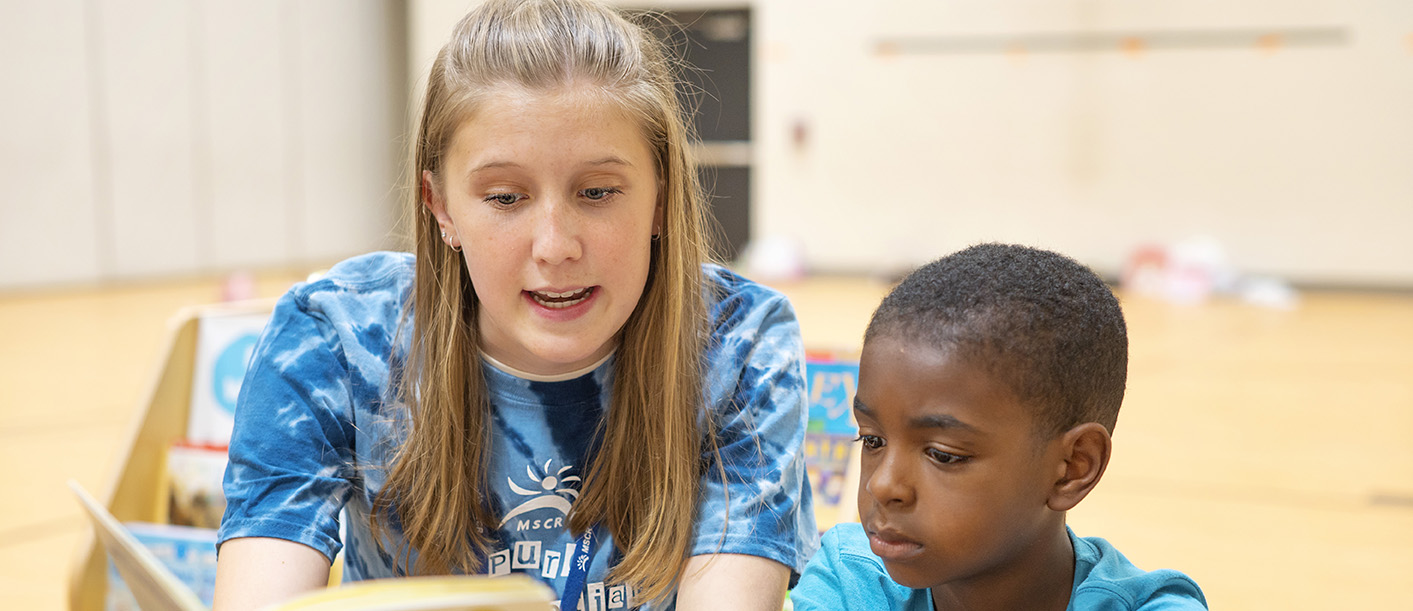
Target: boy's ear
(1085, 451)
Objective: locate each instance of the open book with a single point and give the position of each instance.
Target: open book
(157, 589)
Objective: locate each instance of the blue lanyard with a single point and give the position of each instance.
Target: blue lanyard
(578, 571)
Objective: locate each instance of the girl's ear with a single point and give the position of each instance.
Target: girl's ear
(1085, 451)
(658, 209)
(432, 198)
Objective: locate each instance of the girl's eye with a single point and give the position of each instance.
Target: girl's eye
(599, 193)
(871, 442)
(503, 199)
(946, 458)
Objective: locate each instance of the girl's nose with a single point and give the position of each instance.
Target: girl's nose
(556, 233)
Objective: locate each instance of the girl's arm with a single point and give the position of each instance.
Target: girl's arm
(252, 572)
(732, 581)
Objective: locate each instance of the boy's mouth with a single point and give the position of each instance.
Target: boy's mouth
(559, 301)
(890, 544)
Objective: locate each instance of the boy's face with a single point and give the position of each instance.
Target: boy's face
(954, 483)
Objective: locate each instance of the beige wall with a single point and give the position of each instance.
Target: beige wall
(1298, 160)
(172, 137)
(152, 138)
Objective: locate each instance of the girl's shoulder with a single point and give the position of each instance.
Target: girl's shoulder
(359, 277)
(731, 296)
(370, 271)
(367, 287)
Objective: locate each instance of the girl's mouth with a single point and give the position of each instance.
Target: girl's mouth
(559, 301)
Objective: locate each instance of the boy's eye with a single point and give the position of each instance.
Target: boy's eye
(598, 193)
(946, 458)
(503, 199)
(871, 442)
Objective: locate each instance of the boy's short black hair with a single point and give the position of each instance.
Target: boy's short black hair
(1040, 322)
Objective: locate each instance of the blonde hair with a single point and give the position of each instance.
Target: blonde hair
(642, 484)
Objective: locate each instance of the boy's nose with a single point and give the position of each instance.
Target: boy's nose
(888, 482)
(556, 234)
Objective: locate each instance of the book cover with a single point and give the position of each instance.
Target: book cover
(831, 455)
(192, 490)
(189, 553)
(830, 384)
(148, 582)
(153, 585)
(517, 592)
(224, 343)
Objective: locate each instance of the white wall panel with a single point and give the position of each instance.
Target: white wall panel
(170, 137)
(148, 87)
(48, 230)
(1296, 158)
(246, 50)
(351, 119)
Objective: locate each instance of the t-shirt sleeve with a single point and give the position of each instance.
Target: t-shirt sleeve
(821, 584)
(1174, 591)
(1177, 600)
(841, 578)
(290, 451)
(756, 498)
(1161, 590)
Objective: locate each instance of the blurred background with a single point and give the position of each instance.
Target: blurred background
(156, 138)
(1242, 170)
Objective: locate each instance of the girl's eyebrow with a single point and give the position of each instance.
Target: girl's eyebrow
(492, 165)
(610, 160)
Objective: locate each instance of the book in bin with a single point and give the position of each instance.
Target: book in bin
(831, 453)
(155, 588)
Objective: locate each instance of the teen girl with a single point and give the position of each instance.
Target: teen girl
(554, 378)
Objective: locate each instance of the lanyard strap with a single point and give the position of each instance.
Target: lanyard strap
(578, 571)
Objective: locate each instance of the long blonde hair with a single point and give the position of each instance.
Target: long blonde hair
(642, 484)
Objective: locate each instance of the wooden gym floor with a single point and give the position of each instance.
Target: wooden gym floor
(1267, 453)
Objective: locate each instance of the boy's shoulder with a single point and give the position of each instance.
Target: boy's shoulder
(846, 575)
(1105, 579)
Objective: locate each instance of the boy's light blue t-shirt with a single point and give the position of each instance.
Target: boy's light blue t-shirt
(317, 420)
(846, 575)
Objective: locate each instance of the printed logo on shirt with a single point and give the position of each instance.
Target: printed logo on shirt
(532, 557)
(552, 493)
(600, 597)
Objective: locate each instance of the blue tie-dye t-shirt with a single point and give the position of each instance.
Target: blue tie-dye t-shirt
(317, 423)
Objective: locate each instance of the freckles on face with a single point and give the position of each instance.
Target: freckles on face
(552, 196)
(951, 487)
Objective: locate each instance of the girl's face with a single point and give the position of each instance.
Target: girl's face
(554, 200)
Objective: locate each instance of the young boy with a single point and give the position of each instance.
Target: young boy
(989, 385)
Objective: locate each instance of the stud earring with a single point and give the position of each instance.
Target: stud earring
(453, 247)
